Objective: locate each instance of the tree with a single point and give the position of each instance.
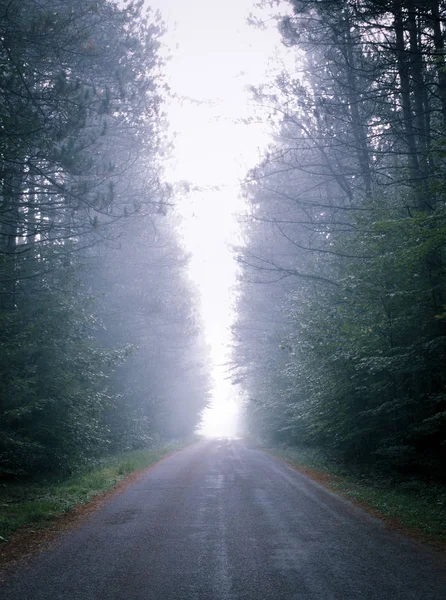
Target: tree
(81, 133)
(147, 302)
(350, 200)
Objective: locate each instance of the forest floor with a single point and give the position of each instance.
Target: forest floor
(32, 506)
(411, 506)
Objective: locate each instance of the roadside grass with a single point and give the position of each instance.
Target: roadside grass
(38, 504)
(410, 505)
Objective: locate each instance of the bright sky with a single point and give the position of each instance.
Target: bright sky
(215, 55)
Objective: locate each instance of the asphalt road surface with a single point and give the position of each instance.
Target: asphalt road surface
(222, 521)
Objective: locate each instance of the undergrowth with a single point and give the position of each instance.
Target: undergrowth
(37, 504)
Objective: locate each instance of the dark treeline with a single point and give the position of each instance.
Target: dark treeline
(340, 340)
(99, 345)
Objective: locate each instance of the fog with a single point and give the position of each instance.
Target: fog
(218, 135)
(222, 222)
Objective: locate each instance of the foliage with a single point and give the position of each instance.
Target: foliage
(80, 186)
(147, 300)
(345, 241)
(53, 381)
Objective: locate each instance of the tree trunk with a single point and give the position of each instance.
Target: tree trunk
(8, 238)
(439, 56)
(354, 99)
(406, 102)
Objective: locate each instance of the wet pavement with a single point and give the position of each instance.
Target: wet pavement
(223, 521)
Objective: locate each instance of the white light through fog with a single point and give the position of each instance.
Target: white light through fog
(215, 54)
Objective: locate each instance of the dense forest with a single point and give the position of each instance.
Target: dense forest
(101, 348)
(340, 338)
(222, 299)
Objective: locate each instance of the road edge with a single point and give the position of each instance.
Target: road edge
(331, 482)
(27, 542)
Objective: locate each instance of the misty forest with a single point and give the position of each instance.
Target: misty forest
(338, 339)
(101, 346)
(340, 334)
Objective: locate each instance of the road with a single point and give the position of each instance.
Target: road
(222, 521)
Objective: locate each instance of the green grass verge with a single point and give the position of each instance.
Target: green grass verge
(37, 504)
(412, 505)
